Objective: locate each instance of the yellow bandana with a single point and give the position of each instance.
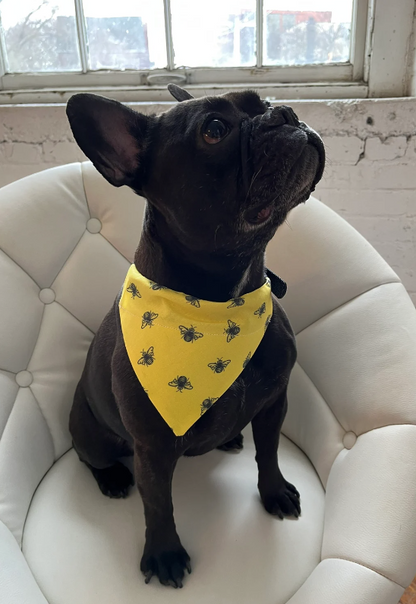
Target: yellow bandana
(187, 352)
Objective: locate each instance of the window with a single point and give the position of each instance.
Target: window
(49, 48)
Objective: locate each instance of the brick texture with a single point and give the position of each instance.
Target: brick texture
(370, 177)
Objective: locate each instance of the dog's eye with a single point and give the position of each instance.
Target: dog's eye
(214, 131)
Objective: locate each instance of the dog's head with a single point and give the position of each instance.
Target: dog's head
(220, 172)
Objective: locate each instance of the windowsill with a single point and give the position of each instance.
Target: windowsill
(158, 94)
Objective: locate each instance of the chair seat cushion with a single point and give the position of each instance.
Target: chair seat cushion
(84, 547)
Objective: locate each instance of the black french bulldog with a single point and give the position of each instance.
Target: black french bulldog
(219, 174)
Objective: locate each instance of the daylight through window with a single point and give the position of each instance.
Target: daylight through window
(50, 36)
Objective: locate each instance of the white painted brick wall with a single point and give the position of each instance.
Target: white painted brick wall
(370, 177)
(377, 149)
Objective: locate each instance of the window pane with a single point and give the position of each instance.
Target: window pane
(125, 34)
(40, 35)
(218, 33)
(299, 32)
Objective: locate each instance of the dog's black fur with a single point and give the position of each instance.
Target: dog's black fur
(211, 210)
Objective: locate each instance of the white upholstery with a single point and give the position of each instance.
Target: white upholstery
(66, 240)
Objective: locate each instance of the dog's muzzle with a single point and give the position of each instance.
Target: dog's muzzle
(272, 119)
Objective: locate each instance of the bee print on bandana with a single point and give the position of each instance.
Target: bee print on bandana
(193, 301)
(181, 383)
(132, 289)
(260, 311)
(236, 302)
(148, 318)
(219, 365)
(266, 325)
(232, 330)
(207, 403)
(247, 360)
(189, 334)
(147, 358)
(156, 286)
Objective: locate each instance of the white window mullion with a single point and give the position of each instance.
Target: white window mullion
(168, 33)
(358, 38)
(82, 35)
(259, 33)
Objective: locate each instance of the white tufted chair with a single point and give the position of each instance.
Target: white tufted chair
(67, 238)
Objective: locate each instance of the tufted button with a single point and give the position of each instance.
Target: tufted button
(47, 295)
(349, 440)
(24, 378)
(94, 225)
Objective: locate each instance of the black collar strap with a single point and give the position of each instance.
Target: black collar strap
(279, 287)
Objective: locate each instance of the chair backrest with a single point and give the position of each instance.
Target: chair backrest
(355, 328)
(66, 240)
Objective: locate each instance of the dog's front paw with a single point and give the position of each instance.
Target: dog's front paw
(282, 501)
(169, 566)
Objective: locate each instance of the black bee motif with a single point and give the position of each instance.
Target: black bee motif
(260, 311)
(156, 286)
(247, 360)
(232, 330)
(181, 383)
(207, 403)
(132, 289)
(219, 365)
(147, 358)
(189, 334)
(148, 318)
(193, 301)
(236, 302)
(266, 325)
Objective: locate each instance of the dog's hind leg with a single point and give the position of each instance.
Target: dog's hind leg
(99, 448)
(235, 444)
(115, 481)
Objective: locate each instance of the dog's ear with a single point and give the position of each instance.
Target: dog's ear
(179, 93)
(110, 134)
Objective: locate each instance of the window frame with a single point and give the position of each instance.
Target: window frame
(379, 39)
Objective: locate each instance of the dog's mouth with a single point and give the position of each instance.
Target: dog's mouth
(263, 213)
(259, 215)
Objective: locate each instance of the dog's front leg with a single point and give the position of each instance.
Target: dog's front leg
(163, 553)
(279, 497)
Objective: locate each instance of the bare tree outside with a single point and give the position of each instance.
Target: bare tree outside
(307, 42)
(42, 40)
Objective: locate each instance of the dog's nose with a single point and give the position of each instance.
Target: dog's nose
(281, 115)
(289, 115)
